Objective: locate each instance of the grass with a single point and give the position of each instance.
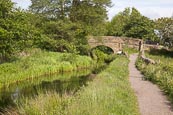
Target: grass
(160, 73)
(41, 63)
(68, 76)
(129, 50)
(108, 94)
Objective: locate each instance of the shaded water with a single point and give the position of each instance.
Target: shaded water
(68, 83)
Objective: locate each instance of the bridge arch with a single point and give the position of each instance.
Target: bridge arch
(103, 48)
(115, 43)
(108, 41)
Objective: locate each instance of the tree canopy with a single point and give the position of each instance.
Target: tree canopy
(63, 26)
(132, 23)
(164, 26)
(55, 25)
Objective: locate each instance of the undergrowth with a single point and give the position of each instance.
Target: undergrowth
(108, 94)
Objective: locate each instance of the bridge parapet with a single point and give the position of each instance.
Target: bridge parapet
(115, 43)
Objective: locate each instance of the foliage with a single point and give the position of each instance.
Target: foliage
(109, 93)
(164, 26)
(161, 73)
(116, 25)
(100, 56)
(91, 14)
(38, 63)
(16, 33)
(131, 23)
(49, 25)
(62, 34)
(129, 50)
(54, 9)
(5, 8)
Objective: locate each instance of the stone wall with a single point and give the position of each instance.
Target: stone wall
(133, 43)
(115, 43)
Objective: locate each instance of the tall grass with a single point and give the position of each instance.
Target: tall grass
(160, 73)
(108, 94)
(41, 63)
(129, 50)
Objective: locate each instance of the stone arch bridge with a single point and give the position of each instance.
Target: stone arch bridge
(115, 43)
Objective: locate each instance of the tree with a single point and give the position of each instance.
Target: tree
(70, 21)
(89, 13)
(51, 8)
(116, 26)
(139, 26)
(131, 23)
(62, 34)
(5, 8)
(92, 14)
(16, 31)
(165, 30)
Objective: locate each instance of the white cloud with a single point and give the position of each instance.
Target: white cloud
(152, 9)
(22, 3)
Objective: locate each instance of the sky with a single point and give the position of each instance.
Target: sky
(149, 8)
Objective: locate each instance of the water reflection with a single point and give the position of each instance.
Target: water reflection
(55, 83)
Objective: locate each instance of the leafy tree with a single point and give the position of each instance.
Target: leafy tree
(165, 30)
(89, 13)
(92, 14)
(70, 21)
(51, 8)
(5, 8)
(131, 23)
(139, 26)
(116, 26)
(16, 31)
(62, 34)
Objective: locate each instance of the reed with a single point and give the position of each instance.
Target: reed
(41, 63)
(108, 94)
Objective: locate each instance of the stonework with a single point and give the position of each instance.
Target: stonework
(115, 43)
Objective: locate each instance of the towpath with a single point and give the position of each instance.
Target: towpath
(151, 99)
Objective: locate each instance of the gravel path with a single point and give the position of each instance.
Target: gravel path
(150, 98)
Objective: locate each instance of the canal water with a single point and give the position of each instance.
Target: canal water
(68, 83)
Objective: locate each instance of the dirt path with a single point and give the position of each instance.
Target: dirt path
(150, 98)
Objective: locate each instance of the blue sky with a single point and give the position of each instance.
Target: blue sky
(150, 8)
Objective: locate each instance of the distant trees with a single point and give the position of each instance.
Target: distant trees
(5, 8)
(68, 22)
(17, 31)
(62, 25)
(131, 23)
(56, 25)
(116, 26)
(51, 8)
(164, 26)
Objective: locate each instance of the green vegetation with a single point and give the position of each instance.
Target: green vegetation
(63, 77)
(56, 25)
(130, 50)
(165, 31)
(131, 23)
(109, 93)
(160, 73)
(38, 63)
(58, 30)
(102, 59)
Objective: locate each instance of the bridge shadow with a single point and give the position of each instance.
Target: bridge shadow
(161, 52)
(103, 48)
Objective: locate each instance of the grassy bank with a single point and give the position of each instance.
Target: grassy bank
(108, 94)
(160, 73)
(37, 63)
(130, 50)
